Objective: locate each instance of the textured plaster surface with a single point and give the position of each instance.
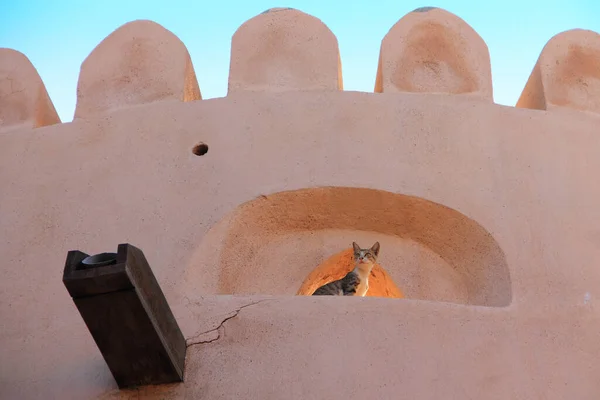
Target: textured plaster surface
(432, 50)
(131, 176)
(284, 49)
(24, 101)
(567, 74)
(255, 346)
(140, 62)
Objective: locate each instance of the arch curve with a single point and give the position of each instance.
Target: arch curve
(270, 245)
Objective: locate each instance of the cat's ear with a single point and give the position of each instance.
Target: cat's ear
(356, 247)
(375, 249)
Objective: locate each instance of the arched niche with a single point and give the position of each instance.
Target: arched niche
(271, 244)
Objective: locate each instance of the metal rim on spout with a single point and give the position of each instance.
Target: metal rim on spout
(99, 260)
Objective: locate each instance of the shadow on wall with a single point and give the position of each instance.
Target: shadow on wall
(271, 244)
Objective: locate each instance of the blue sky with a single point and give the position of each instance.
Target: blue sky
(57, 36)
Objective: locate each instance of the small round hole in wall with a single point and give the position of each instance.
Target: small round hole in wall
(200, 149)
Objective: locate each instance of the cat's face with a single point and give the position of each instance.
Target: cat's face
(365, 256)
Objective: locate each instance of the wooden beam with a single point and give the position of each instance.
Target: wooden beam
(127, 314)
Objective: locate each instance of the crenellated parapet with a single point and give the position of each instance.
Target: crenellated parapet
(433, 51)
(567, 74)
(284, 49)
(140, 62)
(24, 101)
(429, 50)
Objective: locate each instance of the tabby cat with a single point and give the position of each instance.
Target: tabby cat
(356, 282)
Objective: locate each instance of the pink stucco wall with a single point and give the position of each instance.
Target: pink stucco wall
(487, 215)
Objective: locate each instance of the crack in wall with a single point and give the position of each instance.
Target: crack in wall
(217, 333)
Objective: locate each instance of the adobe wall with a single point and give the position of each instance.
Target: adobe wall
(487, 216)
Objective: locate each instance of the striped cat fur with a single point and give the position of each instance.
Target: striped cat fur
(356, 282)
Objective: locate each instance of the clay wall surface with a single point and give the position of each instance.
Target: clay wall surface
(567, 73)
(24, 101)
(487, 217)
